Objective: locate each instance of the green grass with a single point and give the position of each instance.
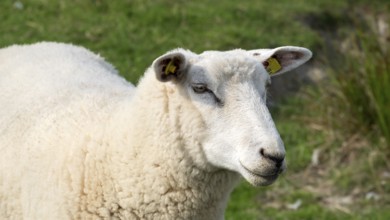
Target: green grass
(130, 34)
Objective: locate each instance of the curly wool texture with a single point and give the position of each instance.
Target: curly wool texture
(79, 142)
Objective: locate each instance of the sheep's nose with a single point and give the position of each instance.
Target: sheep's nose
(278, 158)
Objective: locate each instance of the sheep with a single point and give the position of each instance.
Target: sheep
(77, 141)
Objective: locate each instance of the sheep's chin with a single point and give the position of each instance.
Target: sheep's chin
(257, 179)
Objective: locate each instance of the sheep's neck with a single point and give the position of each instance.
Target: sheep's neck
(171, 182)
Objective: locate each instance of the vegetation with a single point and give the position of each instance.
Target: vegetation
(336, 131)
(365, 87)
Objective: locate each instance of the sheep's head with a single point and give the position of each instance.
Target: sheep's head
(228, 89)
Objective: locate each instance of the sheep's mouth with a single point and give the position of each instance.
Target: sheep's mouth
(256, 174)
(268, 177)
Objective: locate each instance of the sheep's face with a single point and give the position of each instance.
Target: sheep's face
(228, 89)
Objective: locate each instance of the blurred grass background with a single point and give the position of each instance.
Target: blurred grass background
(336, 128)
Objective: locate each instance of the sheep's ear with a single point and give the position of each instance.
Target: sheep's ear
(170, 66)
(281, 59)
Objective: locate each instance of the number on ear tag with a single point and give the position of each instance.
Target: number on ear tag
(273, 65)
(171, 68)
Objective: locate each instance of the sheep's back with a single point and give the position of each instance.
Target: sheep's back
(47, 78)
(55, 100)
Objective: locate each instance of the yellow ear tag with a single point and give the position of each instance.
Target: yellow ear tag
(273, 65)
(171, 68)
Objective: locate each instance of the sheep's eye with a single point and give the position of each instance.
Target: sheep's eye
(200, 88)
(268, 85)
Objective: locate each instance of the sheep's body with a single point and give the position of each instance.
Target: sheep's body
(90, 170)
(79, 142)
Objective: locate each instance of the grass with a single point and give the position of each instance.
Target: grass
(364, 87)
(130, 34)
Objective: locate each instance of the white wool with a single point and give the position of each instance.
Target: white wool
(79, 142)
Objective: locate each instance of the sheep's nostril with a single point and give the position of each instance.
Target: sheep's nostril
(278, 164)
(277, 158)
(262, 152)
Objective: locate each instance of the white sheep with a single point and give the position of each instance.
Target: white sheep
(79, 142)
